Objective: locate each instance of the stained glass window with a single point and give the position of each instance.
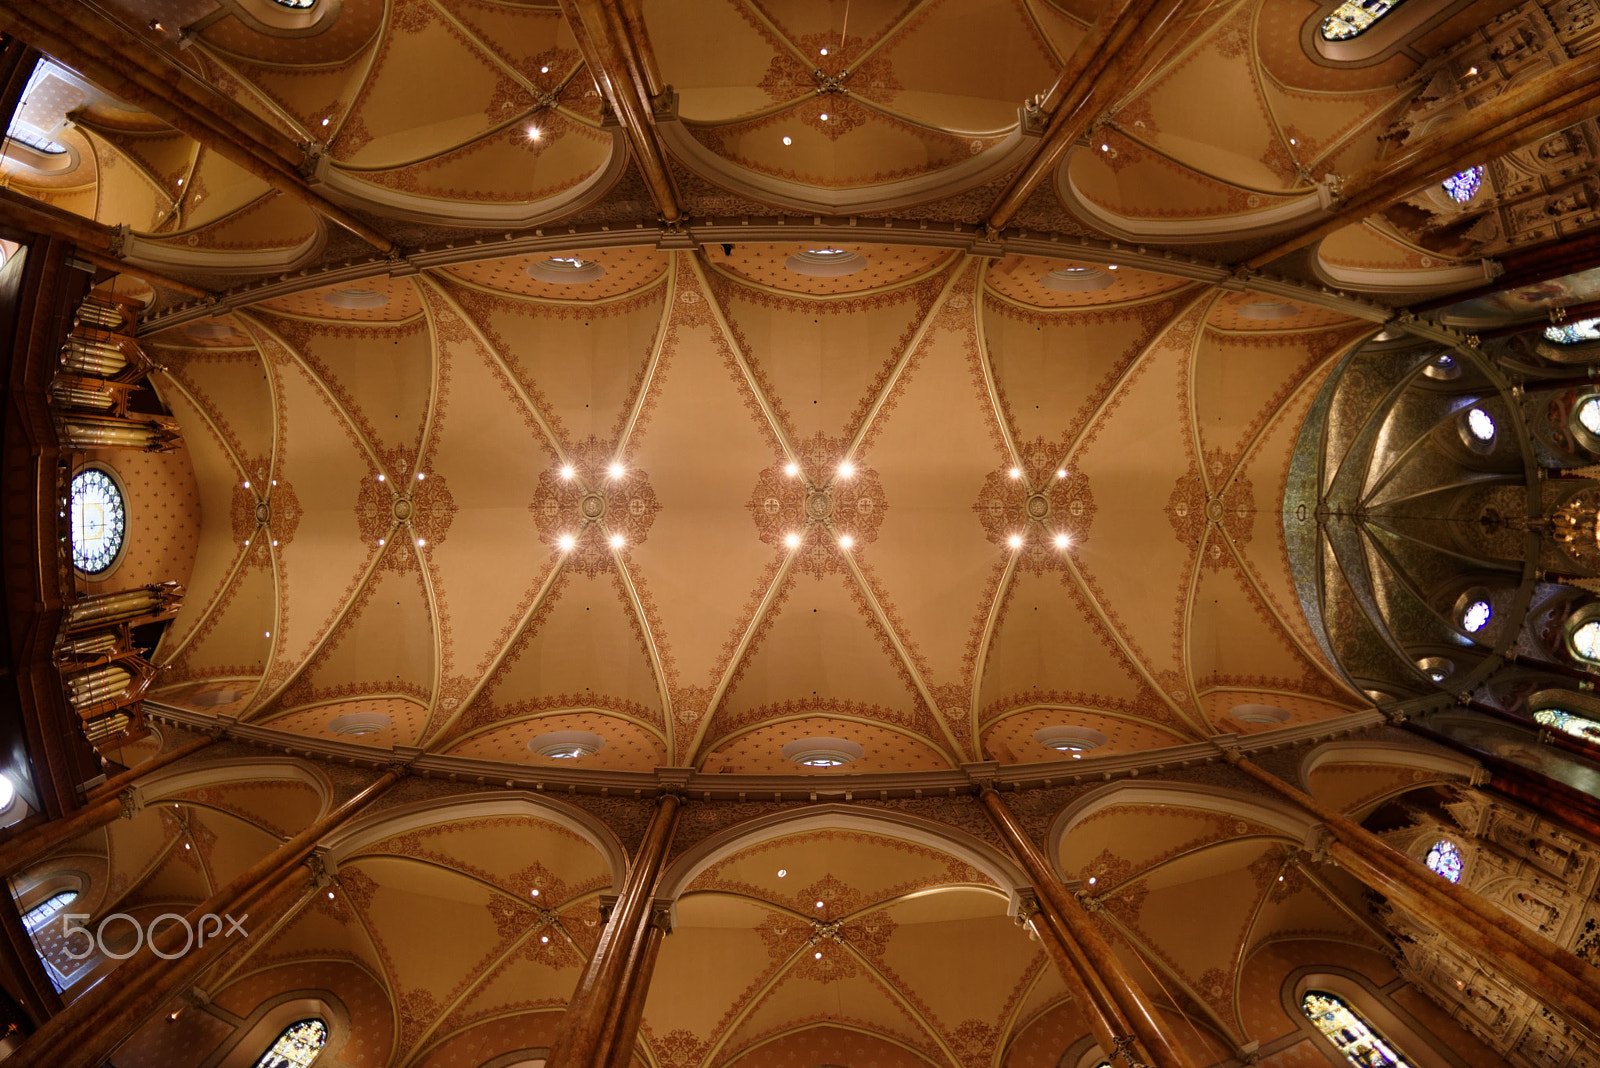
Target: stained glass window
(1573, 333)
(298, 5)
(1354, 17)
(40, 914)
(1480, 424)
(297, 1046)
(1567, 723)
(99, 521)
(1349, 1033)
(1464, 186)
(1589, 415)
(1476, 617)
(1445, 859)
(1586, 641)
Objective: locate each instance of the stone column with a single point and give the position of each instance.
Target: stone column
(86, 1031)
(1098, 1009)
(590, 1024)
(105, 803)
(630, 1005)
(1564, 983)
(1083, 942)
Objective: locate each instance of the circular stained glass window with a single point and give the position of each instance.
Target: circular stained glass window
(1480, 424)
(1476, 617)
(1589, 415)
(99, 521)
(1586, 641)
(1574, 333)
(1445, 859)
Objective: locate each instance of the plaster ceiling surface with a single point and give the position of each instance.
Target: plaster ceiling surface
(385, 491)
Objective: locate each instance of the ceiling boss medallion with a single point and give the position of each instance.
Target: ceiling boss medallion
(263, 512)
(1038, 509)
(1230, 510)
(593, 506)
(404, 504)
(818, 506)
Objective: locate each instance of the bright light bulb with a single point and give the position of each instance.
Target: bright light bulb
(824, 51)
(420, 476)
(791, 469)
(380, 478)
(617, 541)
(781, 871)
(824, 116)
(565, 541)
(847, 469)
(792, 541)
(1015, 541)
(846, 541)
(535, 893)
(1105, 147)
(1111, 266)
(422, 541)
(267, 634)
(533, 133)
(380, 541)
(544, 70)
(1015, 472)
(566, 472)
(788, 141)
(1061, 473)
(819, 904)
(324, 122)
(616, 470)
(819, 954)
(1092, 880)
(247, 485)
(1062, 541)
(544, 938)
(330, 895)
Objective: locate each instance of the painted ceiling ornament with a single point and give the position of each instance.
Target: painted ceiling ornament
(264, 511)
(408, 505)
(818, 505)
(593, 506)
(1042, 505)
(1229, 510)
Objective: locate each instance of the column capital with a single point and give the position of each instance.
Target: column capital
(1024, 905)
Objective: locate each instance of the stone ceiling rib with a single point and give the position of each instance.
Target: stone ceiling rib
(887, 389)
(729, 1024)
(1009, 1026)
(540, 419)
(906, 1004)
(425, 567)
(647, 385)
(991, 391)
(1197, 451)
(907, 661)
(1156, 967)
(652, 646)
(740, 653)
(1249, 930)
(490, 669)
(991, 621)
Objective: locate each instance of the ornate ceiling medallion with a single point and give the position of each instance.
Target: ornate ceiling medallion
(1230, 509)
(822, 752)
(594, 501)
(812, 511)
(403, 504)
(1038, 510)
(264, 511)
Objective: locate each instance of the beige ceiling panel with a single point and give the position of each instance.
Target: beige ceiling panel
(802, 22)
(217, 187)
(1219, 704)
(1135, 465)
(234, 641)
(1050, 648)
(357, 25)
(629, 746)
(1363, 245)
(125, 195)
(1237, 312)
(406, 721)
(518, 854)
(1233, 638)
(526, 1030)
(177, 880)
(712, 964)
(760, 751)
(932, 556)
(703, 450)
(583, 364)
(236, 399)
(534, 977)
(525, 37)
(1295, 908)
(769, 265)
(400, 302)
(284, 807)
(1132, 180)
(846, 870)
(1044, 1035)
(1240, 381)
(822, 653)
(384, 645)
(229, 845)
(1348, 787)
(507, 165)
(309, 93)
(1022, 278)
(626, 270)
(163, 507)
(714, 54)
(1063, 30)
(1121, 840)
(1011, 739)
(824, 1044)
(1320, 121)
(835, 988)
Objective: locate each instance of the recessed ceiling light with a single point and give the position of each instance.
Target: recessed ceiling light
(380, 478)
(1015, 472)
(1069, 739)
(422, 541)
(544, 938)
(1111, 266)
(824, 51)
(824, 116)
(1062, 541)
(788, 141)
(1015, 541)
(566, 472)
(618, 541)
(421, 476)
(791, 469)
(616, 470)
(847, 469)
(544, 70)
(845, 541)
(355, 299)
(819, 904)
(822, 753)
(782, 872)
(792, 540)
(359, 723)
(566, 541)
(818, 954)
(1061, 473)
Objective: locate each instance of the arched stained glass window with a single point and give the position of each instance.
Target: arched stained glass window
(1586, 641)
(1349, 1033)
(99, 520)
(297, 5)
(1353, 18)
(40, 914)
(297, 1046)
(1574, 333)
(1464, 186)
(1567, 723)
(1589, 415)
(1445, 859)
(1476, 616)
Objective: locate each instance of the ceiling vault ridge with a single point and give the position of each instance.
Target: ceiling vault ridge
(648, 385)
(425, 571)
(957, 271)
(552, 440)
(1312, 654)
(908, 660)
(997, 407)
(735, 1017)
(909, 282)
(652, 647)
(499, 62)
(221, 58)
(991, 624)
(275, 640)
(488, 671)
(741, 650)
(233, 963)
(730, 340)
(1250, 928)
(426, 568)
(909, 1007)
(251, 708)
(1179, 56)
(1008, 1030)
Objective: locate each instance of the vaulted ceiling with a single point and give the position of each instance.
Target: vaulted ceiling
(399, 549)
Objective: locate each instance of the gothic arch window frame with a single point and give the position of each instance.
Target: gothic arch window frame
(267, 1021)
(1411, 1039)
(1589, 613)
(1586, 438)
(121, 487)
(1389, 36)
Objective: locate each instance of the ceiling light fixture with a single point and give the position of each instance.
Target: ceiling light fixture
(247, 485)
(819, 904)
(534, 892)
(566, 472)
(1015, 541)
(845, 541)
(782, 872)
(1069, 739)
(544, 70)
(565, 541)
(822, 753)
(792, 540)
(533, 133)
(420, 476)
(1061, 473)
(824, 51)
(791, 469)
(566, 745)
(616, 470)
(1111, 266)
(1015, 472)
(847, 469)
(324, 122)
(618, 541)
(824, 116)
(1105, 147)
(1062, 541)
(380, 478)
(788, 140)
(422, 541)
(544, 938)
(819, 954)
